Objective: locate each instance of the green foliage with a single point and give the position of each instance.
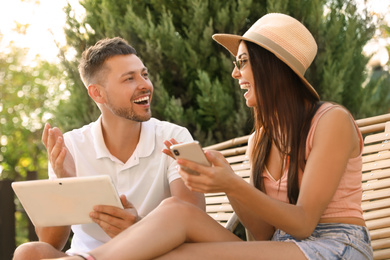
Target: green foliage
(28, 96)
(340, 65)
(376, 94)
(191, 73)
(79, 109)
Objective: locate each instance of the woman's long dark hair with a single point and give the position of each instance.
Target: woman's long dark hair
(285, 108)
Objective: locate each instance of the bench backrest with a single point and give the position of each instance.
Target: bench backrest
(375, 181)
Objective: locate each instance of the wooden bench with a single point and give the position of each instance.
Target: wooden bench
(375, 181)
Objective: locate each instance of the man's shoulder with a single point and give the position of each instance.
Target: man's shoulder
(82, 131)
(166, 129)
(164, 124)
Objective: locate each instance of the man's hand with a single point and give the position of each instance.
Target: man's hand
(59, 157)
(114, 220)
(168, 144)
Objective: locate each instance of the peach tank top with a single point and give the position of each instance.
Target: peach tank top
(347, 199)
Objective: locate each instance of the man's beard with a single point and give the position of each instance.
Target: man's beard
(129, 113)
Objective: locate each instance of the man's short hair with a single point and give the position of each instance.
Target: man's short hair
(92, 60)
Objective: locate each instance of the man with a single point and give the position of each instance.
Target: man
(125, 143)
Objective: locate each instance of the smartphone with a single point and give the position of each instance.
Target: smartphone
(191, 151)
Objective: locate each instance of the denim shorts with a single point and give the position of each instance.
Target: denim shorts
(333, 241)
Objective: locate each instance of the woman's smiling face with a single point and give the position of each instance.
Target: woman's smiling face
(244, 74)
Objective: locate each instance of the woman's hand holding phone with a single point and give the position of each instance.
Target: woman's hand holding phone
(191, 151)
(195, 168)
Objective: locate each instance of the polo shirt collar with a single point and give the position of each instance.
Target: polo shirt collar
(145, 146)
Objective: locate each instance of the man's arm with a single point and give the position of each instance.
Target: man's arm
(180, 190)
(55, 236)
(62, 163)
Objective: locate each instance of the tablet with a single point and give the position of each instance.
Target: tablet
(65, 201)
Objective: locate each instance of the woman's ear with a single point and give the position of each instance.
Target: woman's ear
(96, 92)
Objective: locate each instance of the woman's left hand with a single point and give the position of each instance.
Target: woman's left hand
(217, 178)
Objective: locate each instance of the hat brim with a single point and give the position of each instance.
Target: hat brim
(231, 42)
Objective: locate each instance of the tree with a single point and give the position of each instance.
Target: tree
(376, 99)
(191, 73)
(28, 96)
(341, 62)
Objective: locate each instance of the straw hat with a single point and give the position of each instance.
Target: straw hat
(282, 35)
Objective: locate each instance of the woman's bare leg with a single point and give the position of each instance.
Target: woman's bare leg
(235, 250)
(170, 225)
(179, 230)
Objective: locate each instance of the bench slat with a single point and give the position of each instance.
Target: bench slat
(378, 174)
(380, 233)
(372, 185)
(380, 164)
(378, 156)
(377, 204)
(375, 194)
(376, 214)
(376, 148)
(380, 243)
(378, 223)
(377, 138)
(220, 208)
(382, 254)
(221, 216)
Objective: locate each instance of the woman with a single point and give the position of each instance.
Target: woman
(305, 157)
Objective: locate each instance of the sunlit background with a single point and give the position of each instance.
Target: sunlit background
(37, 25)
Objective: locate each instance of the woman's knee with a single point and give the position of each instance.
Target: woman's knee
(179, 207)
(35, 250)
(172, 202)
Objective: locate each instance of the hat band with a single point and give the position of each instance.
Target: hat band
(277, 50)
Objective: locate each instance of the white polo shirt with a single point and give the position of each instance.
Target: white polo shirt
(144, 178)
